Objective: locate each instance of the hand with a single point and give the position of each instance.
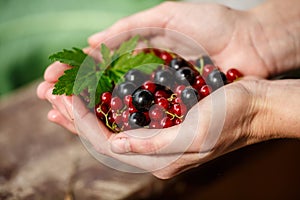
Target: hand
(231, 37)
(170, 151)
(253, 107)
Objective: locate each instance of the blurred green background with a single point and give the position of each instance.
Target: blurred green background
(33, 29)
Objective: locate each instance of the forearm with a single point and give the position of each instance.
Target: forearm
(280, 42)
(278, 110)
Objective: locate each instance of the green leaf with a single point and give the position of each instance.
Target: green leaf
(86, 76)
(66, 82)
(73, 57)
(148, 68)
(96, 79)
(105, 51)
(127, 47)
(146, 63)
(103, 85)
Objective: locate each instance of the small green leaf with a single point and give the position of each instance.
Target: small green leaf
(129, 61)
(86, 76)
(105, 51)
(148, 68)
(66, 82)
(127, 46)
(103, 85)
(73, 57)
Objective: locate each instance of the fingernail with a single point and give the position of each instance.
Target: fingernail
(120, 145)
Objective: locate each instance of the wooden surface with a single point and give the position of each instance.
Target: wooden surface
(40, 160)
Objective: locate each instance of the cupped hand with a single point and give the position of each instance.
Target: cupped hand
(219, 123)
(231, 37)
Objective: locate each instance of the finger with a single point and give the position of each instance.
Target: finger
(56, 117)
(150, 18)
(162, 166)
(186, 137)
(54, 71)
(59, 103)
(147, 142)
(93, 52)
(43, 88)
(88, 125)
(68, 105)
(177, 166)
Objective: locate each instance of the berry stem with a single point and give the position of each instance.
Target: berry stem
(111, 127)
(172, 97)
(173, 115)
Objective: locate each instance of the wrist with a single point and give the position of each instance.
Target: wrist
(279, 39)
(277, 107)
(257, 120)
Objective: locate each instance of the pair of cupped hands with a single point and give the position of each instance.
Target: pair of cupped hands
(228, 119)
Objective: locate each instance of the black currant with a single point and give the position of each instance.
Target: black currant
(164, 78)
(137, 120)
(125, 88)
(142, 99)
(177, 63)
(216, 79)
(185, 76)
(190, 96)
(135, 76)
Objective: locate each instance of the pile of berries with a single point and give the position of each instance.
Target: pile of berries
(163, 98)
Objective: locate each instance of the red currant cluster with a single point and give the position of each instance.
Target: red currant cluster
(162, 99)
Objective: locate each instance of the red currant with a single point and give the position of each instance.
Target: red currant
(100, 110)
(166, 56)
(155, 125)
(178, 100)
(166, 122)
(106, 98)
(117, 118)
(163, 102)
(205, 91)
(127, 100)
(110, 118)
(125, 116)
(150, 86)
(116, 103)
(156, 112)
(178, 109)
(199, 82)
(233, 74)
(177, 121)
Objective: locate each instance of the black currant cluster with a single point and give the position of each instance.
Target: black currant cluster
(162, 99)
